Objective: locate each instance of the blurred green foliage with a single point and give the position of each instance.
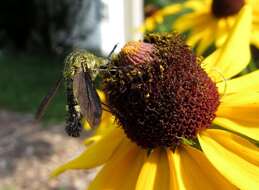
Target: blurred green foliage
(25, 80)
(162, 3)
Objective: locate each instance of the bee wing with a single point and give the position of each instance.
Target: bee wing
(88, 99)
(47, 99)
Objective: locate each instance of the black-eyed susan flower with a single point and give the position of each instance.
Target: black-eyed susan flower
(181, 124)
(211, 20)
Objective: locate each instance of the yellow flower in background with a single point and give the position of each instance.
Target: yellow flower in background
(158, 17)
(211, 20)
(191, 128)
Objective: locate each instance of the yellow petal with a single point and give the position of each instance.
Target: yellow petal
(96, 154)
(133, 172)
(121, 171)
(207, 38)
(106, 126)
(194, 37)
(234, 55)
(162, 180)
(245, 83)
(147, 175)
(253, 3)
(154, 174)
(223, 29)
(196, 5)
(93, 139)
(194, 171)
(171, 9)
(158, 17)
(234, 157)
(202, 33)
(191, 20)
(240, 107)
(254, 37)
(242, 127)
(173, 180)
(149, 24)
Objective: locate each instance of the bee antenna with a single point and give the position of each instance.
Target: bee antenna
(113, 49)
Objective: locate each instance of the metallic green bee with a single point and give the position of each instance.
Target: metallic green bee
(80, 69)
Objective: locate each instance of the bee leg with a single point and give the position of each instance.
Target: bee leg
(106, 108)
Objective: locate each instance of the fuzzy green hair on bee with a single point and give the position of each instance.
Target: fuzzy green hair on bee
(80, 70)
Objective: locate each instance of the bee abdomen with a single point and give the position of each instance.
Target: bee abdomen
(73, 124)
(73, 127)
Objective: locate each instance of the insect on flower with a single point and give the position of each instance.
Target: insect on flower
(80, 69)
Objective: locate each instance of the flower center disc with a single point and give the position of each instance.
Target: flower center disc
(225, 8)
(159, 93)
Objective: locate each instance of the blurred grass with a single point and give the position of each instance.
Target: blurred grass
(162, 3)
(25, 80)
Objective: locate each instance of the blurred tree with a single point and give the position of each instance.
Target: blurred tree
(17, 18)
(54, 20)
(49, 26)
